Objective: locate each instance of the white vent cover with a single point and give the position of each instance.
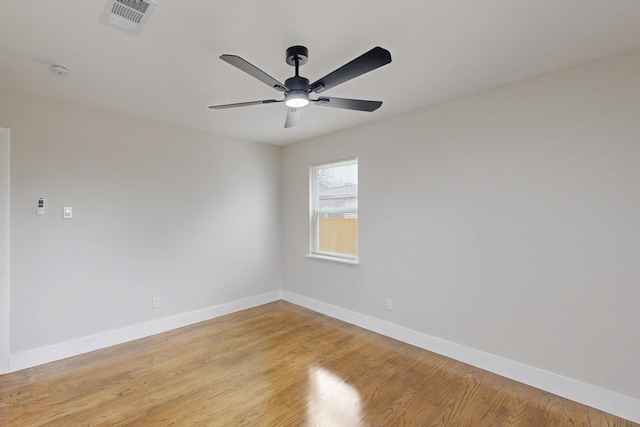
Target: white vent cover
(128, 15)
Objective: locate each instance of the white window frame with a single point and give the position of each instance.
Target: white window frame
(314, 212)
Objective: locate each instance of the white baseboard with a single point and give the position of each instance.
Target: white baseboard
(611, 402)
(39, 356)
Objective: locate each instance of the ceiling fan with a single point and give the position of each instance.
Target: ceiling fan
(297, 88)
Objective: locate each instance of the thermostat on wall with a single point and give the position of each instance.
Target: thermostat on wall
(40, 206)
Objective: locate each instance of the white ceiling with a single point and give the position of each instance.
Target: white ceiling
(441, 49)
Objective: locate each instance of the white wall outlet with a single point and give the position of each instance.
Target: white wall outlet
(67, 212)
(155, 302)
(388, 304)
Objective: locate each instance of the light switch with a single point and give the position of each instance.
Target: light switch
(68, 212)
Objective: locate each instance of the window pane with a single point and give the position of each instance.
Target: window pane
(338, 235)
(338, 186)
(334, 216)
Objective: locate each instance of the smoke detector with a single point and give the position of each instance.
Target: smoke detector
(128, 15)
(59, 69)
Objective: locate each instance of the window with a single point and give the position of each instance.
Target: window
(333, 216)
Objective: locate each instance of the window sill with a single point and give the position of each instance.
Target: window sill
(333, 259)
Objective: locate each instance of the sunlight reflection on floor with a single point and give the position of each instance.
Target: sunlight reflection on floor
(331, 401)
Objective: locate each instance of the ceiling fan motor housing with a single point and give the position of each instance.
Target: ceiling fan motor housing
(297, 83)
(297, 94)
(297, 88)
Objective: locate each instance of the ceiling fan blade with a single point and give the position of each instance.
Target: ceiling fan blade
(244, 104)
(348, 104)
(376, 57)
(293, 116)
(254, 71)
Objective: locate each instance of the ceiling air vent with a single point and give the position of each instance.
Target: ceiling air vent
(128, 15)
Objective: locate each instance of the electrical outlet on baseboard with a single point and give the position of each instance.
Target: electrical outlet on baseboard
(388, 304)
(155, 302)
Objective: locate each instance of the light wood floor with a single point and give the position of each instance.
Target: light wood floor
(276, 365)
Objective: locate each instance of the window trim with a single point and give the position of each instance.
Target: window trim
(333, 259)
(312, 221)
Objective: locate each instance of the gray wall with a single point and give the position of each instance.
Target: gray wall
(506, 221)
(158, 211)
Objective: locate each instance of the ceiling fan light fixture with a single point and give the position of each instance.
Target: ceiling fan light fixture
(297, 100)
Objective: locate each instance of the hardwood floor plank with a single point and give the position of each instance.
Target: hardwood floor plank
(277, 365)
